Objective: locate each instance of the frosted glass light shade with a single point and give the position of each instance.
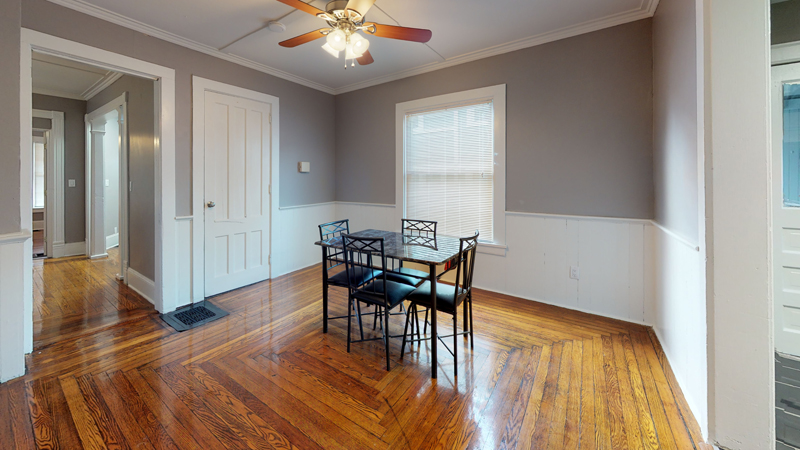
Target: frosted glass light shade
(348, 54)
(359, 43)
(327, 47)
(337, 40)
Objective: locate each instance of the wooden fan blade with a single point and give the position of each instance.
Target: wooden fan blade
(403, 33)
(360, 6)
(303, 38)
(302, 6)
(365, 59)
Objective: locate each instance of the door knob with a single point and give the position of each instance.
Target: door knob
(211, 204)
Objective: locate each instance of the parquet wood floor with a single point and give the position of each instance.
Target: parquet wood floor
(266, 377)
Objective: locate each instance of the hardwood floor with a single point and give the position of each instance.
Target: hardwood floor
(77, 296)
(266, 377)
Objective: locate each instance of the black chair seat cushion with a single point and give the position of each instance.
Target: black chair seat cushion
(411, 277)
(396, 292)
(360, 276)
(444, 296)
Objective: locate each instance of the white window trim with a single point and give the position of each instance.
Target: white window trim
(496, 94)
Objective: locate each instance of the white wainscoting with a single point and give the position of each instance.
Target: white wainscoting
(141, 284)
(112, 241)
(679, 314)
(184, 231)
(70, 249)
(612, 255)
(16, 317)
(296, 229)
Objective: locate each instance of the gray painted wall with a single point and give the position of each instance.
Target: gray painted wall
(579, 125)
(141, 167)
(307, 130)
(675, 149)
(74, 161)
(785, 17)
(9, 116)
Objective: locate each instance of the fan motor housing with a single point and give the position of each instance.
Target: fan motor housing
(335, 5)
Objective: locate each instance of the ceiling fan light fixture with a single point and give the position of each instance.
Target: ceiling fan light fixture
(333, 52)
(359, 44)
(337, 39)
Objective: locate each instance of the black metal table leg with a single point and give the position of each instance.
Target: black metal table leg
(434, 338)
(324, 290)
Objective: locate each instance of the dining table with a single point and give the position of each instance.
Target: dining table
(430, 251)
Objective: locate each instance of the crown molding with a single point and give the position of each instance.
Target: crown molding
(647, 10)
(101, 84)
(56, 93)
(119, 19)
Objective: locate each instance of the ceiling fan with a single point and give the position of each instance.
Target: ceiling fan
(345, 18)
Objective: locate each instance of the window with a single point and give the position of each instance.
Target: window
(451, 155)
(38, 172)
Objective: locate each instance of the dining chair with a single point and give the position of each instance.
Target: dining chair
(449, 297)
(412, 229)
(362, 254)
(333, 257)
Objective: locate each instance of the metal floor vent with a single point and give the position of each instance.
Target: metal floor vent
(194, 316)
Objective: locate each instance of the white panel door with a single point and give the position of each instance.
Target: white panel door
(786, 206)
(237, 197)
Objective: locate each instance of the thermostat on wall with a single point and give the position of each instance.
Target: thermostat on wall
(304, 167)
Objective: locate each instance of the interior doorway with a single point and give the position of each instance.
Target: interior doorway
(82, 286)
(106, 174)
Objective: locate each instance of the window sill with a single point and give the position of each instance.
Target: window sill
(491, 248)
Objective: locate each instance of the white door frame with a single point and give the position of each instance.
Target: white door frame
(54, 175)
(165, 225)
(199, 88)
(120, 105)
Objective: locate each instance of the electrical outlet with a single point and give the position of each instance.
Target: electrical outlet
(115, 230)
(71, 183)
(575, 272)
(108, 183)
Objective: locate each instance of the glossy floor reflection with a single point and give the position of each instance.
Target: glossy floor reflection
(267, 377)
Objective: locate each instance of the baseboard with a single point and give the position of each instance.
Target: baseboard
(61, 250)
(112, 241)
(574, 308)
(38, 225)
(142, 285)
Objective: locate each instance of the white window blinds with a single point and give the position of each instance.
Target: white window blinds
(449, 164)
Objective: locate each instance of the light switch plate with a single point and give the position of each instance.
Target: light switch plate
(304, 167)
(71, 183)
(108, 183)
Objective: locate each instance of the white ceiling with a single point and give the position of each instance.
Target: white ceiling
(70, 79)
(463, 30)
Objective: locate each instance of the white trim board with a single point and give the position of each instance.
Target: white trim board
(785, 53)
(142, 285)
(199, 87)
(647, 9)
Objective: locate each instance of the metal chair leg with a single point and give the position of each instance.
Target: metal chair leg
(386, 336)
(324, 306)
(360, 325)
(349, 320)
(405, 333)
(471, 326)
(455, 344)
